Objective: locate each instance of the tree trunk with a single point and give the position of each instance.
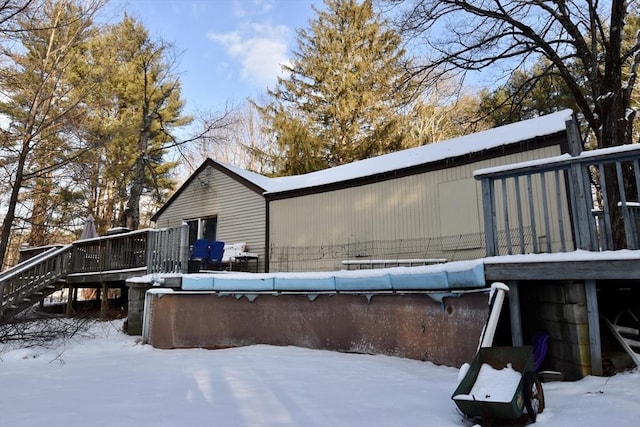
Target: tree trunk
(41, 204)
(10, 216)
(612, 109)
(132, 211)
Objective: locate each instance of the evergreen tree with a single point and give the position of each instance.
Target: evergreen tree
(344, 93)
(129, 121)
(527, 94)
(39, 108)
(592, 47)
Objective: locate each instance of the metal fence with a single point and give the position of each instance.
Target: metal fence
(330, 257)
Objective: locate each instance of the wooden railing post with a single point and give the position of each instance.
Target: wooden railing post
(581, 190)
(489, 213)
(150, 250)
(184, 247)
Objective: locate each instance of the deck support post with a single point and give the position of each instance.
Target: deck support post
(594, 327)
(69, 309)
(514, 312)
(104, 300)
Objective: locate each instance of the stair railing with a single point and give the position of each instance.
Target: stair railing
(33, 275)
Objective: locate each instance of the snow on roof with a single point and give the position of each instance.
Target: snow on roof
(261, 181)
(464, 145)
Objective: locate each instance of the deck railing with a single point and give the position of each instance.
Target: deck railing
(168, 250)
(563, 203)
(33, 276)
(110, 253)
(163, 250)
(145, 251)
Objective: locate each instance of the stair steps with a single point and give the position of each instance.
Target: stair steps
(625, 330)
(31, 281)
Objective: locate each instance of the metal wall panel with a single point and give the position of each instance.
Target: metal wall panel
(411, 326)
(318, 231)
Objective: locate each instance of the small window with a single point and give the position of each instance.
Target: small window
(209, 226)
(202, 228)
(193, 231)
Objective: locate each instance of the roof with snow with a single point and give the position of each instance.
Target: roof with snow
(467, 145)
(461, 146)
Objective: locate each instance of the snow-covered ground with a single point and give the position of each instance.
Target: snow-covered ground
(105, 378)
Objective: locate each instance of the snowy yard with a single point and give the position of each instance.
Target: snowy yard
(106, 378)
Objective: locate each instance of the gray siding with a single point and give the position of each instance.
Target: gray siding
(241, 212)
(429, 215)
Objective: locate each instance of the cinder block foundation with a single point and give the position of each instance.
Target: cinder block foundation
(560, 308)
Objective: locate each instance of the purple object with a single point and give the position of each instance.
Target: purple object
(540, 345)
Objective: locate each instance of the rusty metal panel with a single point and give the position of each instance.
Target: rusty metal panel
(411, 326)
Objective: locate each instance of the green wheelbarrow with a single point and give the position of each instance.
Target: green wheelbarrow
(500, 385)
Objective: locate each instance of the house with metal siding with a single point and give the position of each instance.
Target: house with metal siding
(434, 214)
(220, 203)
(420, 203)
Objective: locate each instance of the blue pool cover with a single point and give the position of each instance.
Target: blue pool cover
(449, 276)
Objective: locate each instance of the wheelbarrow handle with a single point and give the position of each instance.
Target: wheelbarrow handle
(498, 292)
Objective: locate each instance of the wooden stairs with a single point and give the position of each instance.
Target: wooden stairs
(33, 280)
(626, 329)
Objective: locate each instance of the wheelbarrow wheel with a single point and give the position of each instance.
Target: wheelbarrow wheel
(533, 395)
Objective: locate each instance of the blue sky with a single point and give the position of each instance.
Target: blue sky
(231, 49)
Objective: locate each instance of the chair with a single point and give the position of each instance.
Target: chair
(216, 249)
(201, 251)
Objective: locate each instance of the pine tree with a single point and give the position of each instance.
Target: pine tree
(344, 93)
(130, 121)
(40, 108)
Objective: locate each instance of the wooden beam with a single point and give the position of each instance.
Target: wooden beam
(514, 312)
(563, 270)
(105, 276)
(104, 301)
(593, 318)
(69, 311)
(489, 214)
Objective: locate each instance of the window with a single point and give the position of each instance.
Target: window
(193, 231)
(209, 228)
(202, 228)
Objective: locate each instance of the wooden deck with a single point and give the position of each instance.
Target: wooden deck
(101, 262)
(568, 223)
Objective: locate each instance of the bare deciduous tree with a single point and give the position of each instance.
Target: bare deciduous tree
(234, 136)
(591, 45)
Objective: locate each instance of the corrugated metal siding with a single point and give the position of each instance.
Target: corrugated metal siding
(555, 237)
(317, 231)
(241, 212)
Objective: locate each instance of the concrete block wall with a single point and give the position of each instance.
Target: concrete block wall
(560, 308)
(136, 307)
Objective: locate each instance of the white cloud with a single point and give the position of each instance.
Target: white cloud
(259, 49)
(255, 7)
